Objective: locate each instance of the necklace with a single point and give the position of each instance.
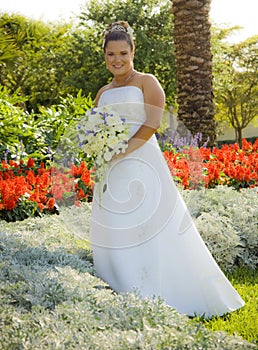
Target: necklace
(125, 81)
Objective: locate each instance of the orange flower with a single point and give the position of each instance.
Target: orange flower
(30, 163)
(80, 194)
(13, 163)
(40, 206)
(86, 177)
(4, 165)
(51, 203)
(30, 177)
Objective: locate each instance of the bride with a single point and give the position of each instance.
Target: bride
(142, 234)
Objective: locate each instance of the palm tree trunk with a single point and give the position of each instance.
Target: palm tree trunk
(194, 67)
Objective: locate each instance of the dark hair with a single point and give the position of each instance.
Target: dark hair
(118, 31)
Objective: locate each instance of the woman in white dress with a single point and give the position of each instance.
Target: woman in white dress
(142, 235)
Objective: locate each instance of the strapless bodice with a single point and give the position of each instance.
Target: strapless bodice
(125, 94)
(128, 102)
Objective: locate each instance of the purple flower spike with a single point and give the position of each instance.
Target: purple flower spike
(6, 154)
(93, 111)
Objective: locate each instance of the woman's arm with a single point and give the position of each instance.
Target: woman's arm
(101, 90)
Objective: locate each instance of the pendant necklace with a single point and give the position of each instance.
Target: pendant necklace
(125, 81)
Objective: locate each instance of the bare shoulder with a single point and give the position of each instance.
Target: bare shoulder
(152, 89)
(100, 92)
(149, 80)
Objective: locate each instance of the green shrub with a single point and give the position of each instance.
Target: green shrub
(24, 135)
(52, 121)
(17, 133)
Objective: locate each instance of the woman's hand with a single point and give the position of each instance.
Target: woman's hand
(118, 156)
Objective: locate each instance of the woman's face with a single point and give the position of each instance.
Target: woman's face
(119, 57)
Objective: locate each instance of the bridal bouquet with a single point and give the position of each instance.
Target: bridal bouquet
(102, 134)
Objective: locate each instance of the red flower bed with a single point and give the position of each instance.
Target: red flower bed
(70, 186)
(230, 165)
(28, 190)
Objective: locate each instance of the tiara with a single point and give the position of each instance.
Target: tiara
(118, 28)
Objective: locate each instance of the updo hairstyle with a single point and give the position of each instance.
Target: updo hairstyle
(116, 31)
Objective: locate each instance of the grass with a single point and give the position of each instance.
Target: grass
(243, 322)
(50, 298)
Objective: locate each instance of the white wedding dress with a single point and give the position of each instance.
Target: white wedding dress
(142, 234)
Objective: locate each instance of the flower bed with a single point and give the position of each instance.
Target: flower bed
(204, 167)
(27, 189)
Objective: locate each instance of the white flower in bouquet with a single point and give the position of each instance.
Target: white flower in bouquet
(102, 134)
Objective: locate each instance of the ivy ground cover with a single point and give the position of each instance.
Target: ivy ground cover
(51, 298)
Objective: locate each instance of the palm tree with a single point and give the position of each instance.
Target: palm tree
(194, 67)
(8, 49)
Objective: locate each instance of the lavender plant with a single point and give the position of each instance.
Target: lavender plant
(179, 139)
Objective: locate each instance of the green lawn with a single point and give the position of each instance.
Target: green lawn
(244, 321)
